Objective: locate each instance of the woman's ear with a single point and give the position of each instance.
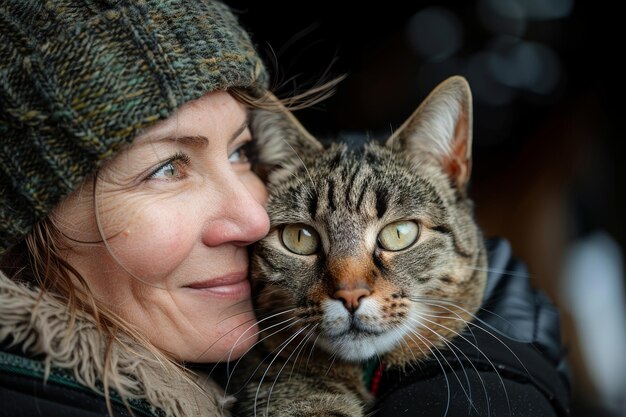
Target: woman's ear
(441, 127)
(280, 137)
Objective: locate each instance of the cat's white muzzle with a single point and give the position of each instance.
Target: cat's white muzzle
(358, 336)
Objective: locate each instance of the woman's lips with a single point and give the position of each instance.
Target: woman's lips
(234, 285)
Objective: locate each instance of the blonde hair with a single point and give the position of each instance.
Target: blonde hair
(265, 100)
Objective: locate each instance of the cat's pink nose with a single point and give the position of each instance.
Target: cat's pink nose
(351, 298)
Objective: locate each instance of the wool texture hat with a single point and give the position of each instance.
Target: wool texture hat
(79, 79)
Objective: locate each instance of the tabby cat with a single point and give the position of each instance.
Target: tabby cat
(373, 252)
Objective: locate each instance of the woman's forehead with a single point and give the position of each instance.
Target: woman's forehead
(216, 112)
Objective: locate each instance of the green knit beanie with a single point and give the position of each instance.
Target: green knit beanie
(80, 78)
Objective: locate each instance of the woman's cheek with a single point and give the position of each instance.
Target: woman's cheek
(156, 242)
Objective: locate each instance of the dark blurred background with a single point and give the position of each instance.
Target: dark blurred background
(547, 172)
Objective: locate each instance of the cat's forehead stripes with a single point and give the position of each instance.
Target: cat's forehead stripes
(382, 197)
(365, 182)
(331, 194)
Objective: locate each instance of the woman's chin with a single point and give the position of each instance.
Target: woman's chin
(247, 338)
(237, 339)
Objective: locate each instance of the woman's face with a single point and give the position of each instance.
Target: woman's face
(177, 211)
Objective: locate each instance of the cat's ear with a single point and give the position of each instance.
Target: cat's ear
(442, 128)
(280, 137)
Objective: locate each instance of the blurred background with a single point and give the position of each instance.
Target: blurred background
(547, 172)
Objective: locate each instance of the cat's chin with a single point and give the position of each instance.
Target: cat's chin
(358, 347)
(359, 337)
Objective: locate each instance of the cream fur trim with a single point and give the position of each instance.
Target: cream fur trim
(40, 327)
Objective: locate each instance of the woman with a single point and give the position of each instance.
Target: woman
(128, 204)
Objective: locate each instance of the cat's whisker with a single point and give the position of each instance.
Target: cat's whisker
(506, 346)
(259, 333)
(441, 315)
(285, 327)
(478, 350)
(498, 271)
(253, 320)
(224, 335)
(469, 326)
(415, 362)
(407, 344)
(454, 303)
(428, 345)
(468, 395)
(301, 348)
(306, 368)
(458, 318)
(451, 345)
(274, 314)
(333, 357)
(262, 361)
(269, 366)
(493, 335)
(257, 322)
(230, 372)
(269, 395)
(234, 306)
(457, 304)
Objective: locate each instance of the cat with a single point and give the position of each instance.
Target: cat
(373, 252)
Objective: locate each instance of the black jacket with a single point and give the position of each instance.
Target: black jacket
(511, 364)
(24, 393)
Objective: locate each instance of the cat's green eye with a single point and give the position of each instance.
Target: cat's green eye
(300, 238)
(398, 235)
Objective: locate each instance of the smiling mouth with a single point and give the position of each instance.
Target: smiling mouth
(234, 285)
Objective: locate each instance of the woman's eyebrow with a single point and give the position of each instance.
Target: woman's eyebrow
(200, 141)
(195, 141)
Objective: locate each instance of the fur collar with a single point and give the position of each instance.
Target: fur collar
(38, 325)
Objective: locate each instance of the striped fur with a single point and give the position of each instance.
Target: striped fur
(348, 195)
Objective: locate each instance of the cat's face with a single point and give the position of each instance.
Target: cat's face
(373, 249)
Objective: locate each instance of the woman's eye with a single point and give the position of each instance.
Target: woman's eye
(167, 171)
(398, 235)
(239, 155)
(300, 238)
(172, 169)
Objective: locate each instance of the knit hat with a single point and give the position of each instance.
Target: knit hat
(80, 78)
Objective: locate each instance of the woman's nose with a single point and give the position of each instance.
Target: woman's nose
(241, 218)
